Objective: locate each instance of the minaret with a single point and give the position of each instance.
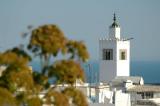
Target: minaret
(114, 53)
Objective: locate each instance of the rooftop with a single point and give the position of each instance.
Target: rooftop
(122, 79)
(144, 88)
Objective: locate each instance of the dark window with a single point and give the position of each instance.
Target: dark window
(113, 98)
(107, 54)
(123, 54)
(146, 95)
(149, 95)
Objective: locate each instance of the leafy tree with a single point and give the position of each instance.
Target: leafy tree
(17, 76)
(34, 101)
(66, 71)
(56, 98)
(46, 42)
(77, 49)
(6, 98)
(77, 97)
(17, 73)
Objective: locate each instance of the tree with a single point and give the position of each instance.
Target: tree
(77, 97)
(66, 71)
(17, 73)
(46, 42)
(56, 98)
(77, 49)
(17, 77)
(6, 98)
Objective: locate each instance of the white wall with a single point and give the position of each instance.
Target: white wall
(107, 67)
(114, 32)
(156, 95)
(105, 96)
(101, 104)
(123, 66)
(135, 97)
(122, 99)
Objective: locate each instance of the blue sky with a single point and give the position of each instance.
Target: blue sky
(86, 20)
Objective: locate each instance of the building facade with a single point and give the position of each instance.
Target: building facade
(114, 53)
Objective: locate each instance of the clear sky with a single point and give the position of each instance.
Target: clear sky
(86, 20)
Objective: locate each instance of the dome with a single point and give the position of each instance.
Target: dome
(115, 24)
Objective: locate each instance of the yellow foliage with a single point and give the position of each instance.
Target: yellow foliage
(48, 39)
(77, 48)
(21, 79)
(66, 71)
(34, 101)
(10, 58)
(77, 97)
(6, 98)
(56, 98)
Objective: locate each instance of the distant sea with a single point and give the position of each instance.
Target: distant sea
(149, 70)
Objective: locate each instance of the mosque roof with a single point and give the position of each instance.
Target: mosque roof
(144, 88)
(149, 102)
(122, 79)
(119, 81)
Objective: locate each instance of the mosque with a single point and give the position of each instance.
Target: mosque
(116, 87)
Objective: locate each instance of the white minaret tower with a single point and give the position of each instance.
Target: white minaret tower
(114, 53)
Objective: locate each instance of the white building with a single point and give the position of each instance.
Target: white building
(116, 86)
(124, 90)
(114, 53)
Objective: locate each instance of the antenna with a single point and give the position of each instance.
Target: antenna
(90, 78)
(128, 39)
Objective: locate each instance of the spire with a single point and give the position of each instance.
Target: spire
(114, 24)
(114, 17)
(114, 29)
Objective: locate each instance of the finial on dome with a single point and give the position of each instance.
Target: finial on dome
(114, 24)
(114, 17)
